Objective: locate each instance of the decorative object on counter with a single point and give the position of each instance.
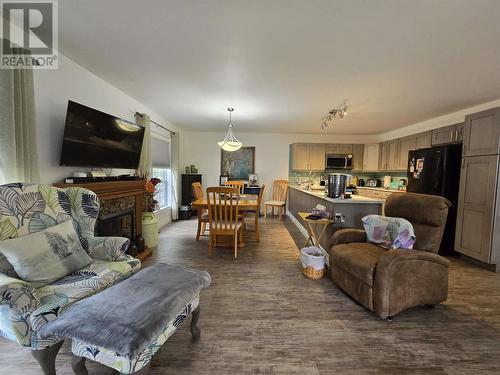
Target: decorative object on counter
(188, 169)
(230, 143)
(223, 179)
(402, 184)
(253, 179)
(338, 112)
(193, 169)
(312, 262)
(311, 226)
(387, 182)
(238, 165)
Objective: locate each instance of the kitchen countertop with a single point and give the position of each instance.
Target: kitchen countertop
(353, 200)
(381, 189)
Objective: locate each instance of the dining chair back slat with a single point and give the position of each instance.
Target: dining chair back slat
(240, 185)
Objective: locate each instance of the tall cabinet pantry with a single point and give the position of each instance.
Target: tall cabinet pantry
(478, 219)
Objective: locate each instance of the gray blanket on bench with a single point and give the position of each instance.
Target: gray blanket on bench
(127, 317)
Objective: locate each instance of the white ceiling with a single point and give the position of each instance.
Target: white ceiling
(284, 63)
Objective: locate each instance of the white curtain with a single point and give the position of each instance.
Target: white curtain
(145, 161)
(174, 165)
(18, 148)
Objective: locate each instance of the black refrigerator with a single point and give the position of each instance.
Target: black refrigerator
(436, 171)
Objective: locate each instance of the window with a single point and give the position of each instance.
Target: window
(163, 195)
(160, 158)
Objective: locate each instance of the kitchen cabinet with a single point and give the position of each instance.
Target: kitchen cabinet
(339, 148)
(357, 157)
(317, 157)
(308, 156)
(383, 156)
(482, 133)
(447, 135)
(423, 140)
(370, 157)
(406, 145)
(478, 205)
(389, 155)
(393, 155)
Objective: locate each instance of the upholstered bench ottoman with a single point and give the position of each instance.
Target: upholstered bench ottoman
(125, 325)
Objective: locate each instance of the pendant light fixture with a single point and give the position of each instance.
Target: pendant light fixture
(230, 143)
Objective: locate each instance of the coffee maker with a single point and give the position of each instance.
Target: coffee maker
(337, 183)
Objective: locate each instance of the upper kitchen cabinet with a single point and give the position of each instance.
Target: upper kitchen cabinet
(406, 145)
(339, 148)
(482, 133)
(357, 157)
(370, 157)
(423, 140)
(448, 134)
(383, 156)
(393, 155)
(308, 156)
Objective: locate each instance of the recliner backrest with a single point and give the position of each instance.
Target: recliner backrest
(427, 214)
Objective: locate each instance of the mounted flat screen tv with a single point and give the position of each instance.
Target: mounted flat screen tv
(95, 139)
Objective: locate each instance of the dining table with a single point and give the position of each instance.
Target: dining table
(247, 202)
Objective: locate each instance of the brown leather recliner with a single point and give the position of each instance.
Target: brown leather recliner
(389, 281)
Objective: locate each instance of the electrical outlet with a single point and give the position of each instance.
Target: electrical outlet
(339, 218)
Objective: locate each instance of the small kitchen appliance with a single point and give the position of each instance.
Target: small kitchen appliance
(337, 183)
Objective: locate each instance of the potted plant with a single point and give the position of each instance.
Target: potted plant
(149, 221)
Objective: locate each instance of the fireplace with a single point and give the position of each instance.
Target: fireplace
(117, 218)
(119, 224)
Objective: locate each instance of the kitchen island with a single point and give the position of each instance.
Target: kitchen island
(352, 210)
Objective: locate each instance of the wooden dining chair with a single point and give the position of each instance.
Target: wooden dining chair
(223, 215)
(255, 213)
(240, 185)
(280, 190)
(202, 213)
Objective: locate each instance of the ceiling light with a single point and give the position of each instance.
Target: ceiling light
(230, 143)
(339, 112)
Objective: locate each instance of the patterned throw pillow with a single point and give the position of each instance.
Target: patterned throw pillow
(390, 232)
(46, 256)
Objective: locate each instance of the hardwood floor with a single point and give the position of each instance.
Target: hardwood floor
(261, 316)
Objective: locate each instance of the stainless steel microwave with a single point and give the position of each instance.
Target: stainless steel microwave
(338, 161)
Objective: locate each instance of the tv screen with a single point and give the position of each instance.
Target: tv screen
(95, 139)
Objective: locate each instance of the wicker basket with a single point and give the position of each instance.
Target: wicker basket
(312, 273)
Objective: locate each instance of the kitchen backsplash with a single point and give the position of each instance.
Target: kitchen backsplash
(303, 176)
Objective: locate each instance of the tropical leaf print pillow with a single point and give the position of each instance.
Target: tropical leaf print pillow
(46, 256)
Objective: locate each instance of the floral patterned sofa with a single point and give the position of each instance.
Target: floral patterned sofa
(28, 208)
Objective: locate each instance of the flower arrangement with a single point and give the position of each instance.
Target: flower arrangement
(150, 204)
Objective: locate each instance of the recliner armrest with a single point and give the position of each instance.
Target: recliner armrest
(343, 236)
(20, 298)
(391, 257)
(107, 248)
(405, 278)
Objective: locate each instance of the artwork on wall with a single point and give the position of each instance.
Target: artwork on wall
(238, 164)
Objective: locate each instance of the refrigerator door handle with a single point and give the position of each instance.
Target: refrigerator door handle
(438, 175)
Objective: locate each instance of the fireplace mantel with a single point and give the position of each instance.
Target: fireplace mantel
(118, 189)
